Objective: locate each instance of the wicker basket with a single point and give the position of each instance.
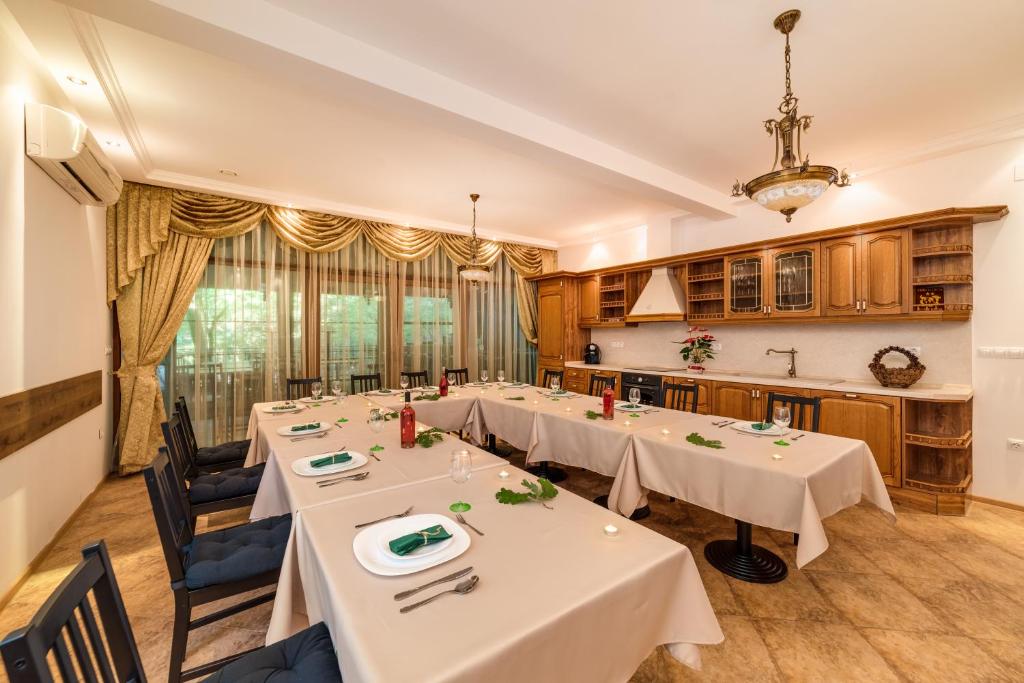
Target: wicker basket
(900, 378)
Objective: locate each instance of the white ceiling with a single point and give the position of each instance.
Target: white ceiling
(569, 117)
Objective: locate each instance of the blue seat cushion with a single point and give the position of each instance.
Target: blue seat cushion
(240, 481)
(237, 553)
(305, 657)
(221, 453)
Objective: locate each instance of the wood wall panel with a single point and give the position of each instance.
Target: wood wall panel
(33, 413)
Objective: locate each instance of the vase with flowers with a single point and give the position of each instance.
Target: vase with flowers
(697, 348)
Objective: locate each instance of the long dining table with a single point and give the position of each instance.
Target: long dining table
(555, 586)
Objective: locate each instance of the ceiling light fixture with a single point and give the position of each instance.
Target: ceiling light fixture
(475, 272)
(76, 80)
(228, 172)
(796, 183)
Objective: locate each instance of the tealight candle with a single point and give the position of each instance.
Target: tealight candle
(503, 475)
(776, 456)
(665, 432)
(611, 531)
(568, 410)
(536, 402)
(627, 423)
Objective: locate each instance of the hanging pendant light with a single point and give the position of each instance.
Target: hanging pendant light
(475, 271)
(793, 182)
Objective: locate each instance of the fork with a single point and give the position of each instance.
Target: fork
(462, 521)
(308, 436)
(351, 477)
(725, 424)
(382, 519)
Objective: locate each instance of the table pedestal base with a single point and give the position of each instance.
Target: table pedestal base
(552, 474)
(638, 514)
(745, 561)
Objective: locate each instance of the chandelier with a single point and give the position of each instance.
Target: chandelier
(475, 271)
(793, 182)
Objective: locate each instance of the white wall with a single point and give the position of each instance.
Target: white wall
(971, 178)
(54, 323)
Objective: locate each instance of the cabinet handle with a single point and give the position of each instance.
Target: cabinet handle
(769, 310)
(851, 395)
(559, 356)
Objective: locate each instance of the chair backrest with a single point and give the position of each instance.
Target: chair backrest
(172, 513)
(805, 412)
(361, 383)
(186, 422)
(182, 460)
(417, 379)
(298, 387)
(679, 396)
(461, 375)
(102, 650)
(598, 383)
(550, 375)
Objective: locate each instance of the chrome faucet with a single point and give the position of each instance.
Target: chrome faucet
(792, 359)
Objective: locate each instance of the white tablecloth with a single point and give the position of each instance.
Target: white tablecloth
(557, 599)
(817, 476)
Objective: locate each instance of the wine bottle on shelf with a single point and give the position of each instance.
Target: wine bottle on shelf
(407, 422)
(608, 401)
(442, 385)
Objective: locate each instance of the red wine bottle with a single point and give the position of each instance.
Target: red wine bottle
(442, 386)
(407, 422)
(608, 402)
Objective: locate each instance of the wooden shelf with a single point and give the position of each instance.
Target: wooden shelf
(613, 304)
(713, 296)
(613, 288)
(931, 441)
(943, 308)
(943, 279)
(942, 250)
(705, 277)
(705, 316)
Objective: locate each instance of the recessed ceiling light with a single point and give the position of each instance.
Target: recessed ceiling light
(228, 172)
(290, 205)
(76, 80)
(112, 143)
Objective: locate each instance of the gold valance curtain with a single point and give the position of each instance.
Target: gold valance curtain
(158, 241)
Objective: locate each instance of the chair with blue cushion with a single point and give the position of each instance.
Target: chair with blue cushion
(205, 568)
(208, 493)
(211, 458)
(104, 649)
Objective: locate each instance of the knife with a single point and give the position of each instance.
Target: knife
(451, 577)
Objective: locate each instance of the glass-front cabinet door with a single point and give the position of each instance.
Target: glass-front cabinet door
(794, 281)
(745, 286)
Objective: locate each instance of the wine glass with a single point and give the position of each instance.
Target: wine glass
(461, 466)
(634, 396)
(483, 376)
(336, 389)
(781, 417)
(404, 382)
(451, 379)
(317, 389)
(555, 385)
(501, 376)
(376, 420)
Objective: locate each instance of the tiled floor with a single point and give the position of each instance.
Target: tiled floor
(929, 599)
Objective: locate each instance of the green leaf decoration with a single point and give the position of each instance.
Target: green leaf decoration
(781, 442)
(393, 415)
(539, 492)
(634, 414)
(515, 398)
(342, 420)
(429, 437)
(698, 440)
(376, 447)
(427, 397)
(556, 399)
(592, 414)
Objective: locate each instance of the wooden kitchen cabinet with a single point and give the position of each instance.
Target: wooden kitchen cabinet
(745, 286)
(746, 401)
(869, 418)
(777, 283)
(590, 299)
(577, 379)
(559, 339)
(866, 274)
(703, 391)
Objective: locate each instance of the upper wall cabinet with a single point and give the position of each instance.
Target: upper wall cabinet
(590, 297)
(777, 283)
(866, 274)
(745, 286)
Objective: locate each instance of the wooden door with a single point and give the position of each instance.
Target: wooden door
(590, 298)
(874, 420)
(883, 273)
(550, 323)
(840, 276)
(734, 400)
(794, 282)
(745, 286)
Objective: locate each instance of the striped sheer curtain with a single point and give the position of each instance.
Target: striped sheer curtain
(495, 340)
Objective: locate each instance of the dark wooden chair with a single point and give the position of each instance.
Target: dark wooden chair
(200, 570)
(210, 458)
(105, 649)
(679, 396)
(804, 411)
(364, 383)
(417, 379)
(552, 374)
(461, 375)
(599, 382)
(299, 387)
(208, 493)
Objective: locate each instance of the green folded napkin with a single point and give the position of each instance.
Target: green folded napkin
(305, 428)
(403, 545)
(631, 406)
(334, 459)
(515, 398)
(284, 406)
(761, 426)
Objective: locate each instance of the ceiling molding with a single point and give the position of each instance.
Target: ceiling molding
(94, 50)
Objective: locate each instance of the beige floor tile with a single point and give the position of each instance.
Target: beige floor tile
(901, 557)
(971, 607)
(822, 652)
(931, 658)
(1010, 653)
(877, 601)
(794, 598)
(985, 561)
(843, 555)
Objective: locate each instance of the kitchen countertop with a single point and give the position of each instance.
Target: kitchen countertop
(923, 391)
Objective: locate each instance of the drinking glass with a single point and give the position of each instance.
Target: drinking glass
(501, 375)
(404, 382)
(461, 466)
(317, 389)
(451, 379)
(336, 389)
(555, 384)
(483, 376)
(781, 417)
(376, 420)
(634, 396)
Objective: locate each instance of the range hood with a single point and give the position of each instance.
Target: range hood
(661, 300)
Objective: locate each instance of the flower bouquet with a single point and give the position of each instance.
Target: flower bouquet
(697, 348)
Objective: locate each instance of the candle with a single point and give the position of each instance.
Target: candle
(627, 423)
(568, 410)
(611, 531)
(503, 475)
(535, 402)
(776, 456)
(665, 432)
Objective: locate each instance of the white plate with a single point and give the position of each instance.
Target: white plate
(426, 388)
(641, 408)
(514, 385)
(282, 411)
(287, 429)
(302, 467)
(746, 428)
(310, 399)
(367, 549)
(383, 392)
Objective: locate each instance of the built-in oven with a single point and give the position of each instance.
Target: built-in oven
(648, 385)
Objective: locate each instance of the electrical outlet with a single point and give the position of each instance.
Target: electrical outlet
(1015, 444)
(617, 344)
(716, 346)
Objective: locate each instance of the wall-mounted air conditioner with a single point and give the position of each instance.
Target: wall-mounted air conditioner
(63, 147)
